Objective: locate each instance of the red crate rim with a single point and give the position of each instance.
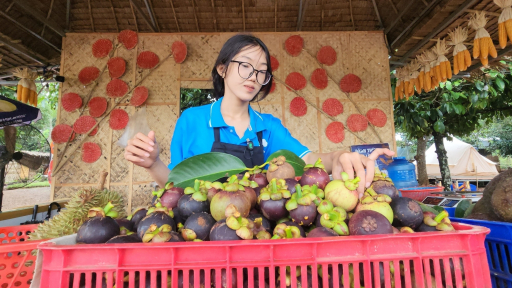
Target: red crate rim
(461, 229)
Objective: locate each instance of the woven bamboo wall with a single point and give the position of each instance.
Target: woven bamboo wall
(360, 53)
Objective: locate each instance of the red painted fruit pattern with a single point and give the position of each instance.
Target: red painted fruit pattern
(298, 107)
(377, 117)
(296, 81)
(350, 83)
(117, 88)
(101, 48)
(71, 102)
(147, 60)
(84, 124)
(179, 51)
(60, 133)
(332, 107)
(140, 94)
(326, 55)
(91, 152)
(335, 132)
(273, 87)
(97, 106)
(357, 123)
(118, 119)
(88, 74)
(129, 38)
(116, 67)
(319, 78)
(274, 63)
(294, 45)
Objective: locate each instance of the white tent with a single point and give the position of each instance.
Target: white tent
(464, 161)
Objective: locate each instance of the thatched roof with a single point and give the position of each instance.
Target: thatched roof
(32, 30)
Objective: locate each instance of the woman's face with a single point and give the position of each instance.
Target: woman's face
(234, 82)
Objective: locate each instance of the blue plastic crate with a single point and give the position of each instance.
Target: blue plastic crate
(498, 244)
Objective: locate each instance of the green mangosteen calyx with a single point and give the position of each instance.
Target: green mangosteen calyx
(350, 184)
(160, 192)
(371, 196)
(103, 212)
(276, 190)
(200, 195)
(318, 164)
(283, 231)
(333, 217)
(319, 193)
(406, 230)
(241, 225)
(158, 207)
(157, 234)
(304, 198)
(440, 221)
(259, 231)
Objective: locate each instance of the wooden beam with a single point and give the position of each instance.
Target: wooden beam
(435, 40)
(149, 7)
(5, 15)
(51, 24)
(322, 24)
(214, 16)
(416, 20)
(195, 15)
(486, 12)
(425, 2)
(243, 13)
(399, 17)
(47, 17)
(352, 15)
(113, 14)
(134, 17)
(393, 6)
(275, 16)
(447, 21)
(24, 51)
(68, 8)
(90, 14)
(378, 14)
(141, 13)
(301, 14)
(174, 13)
(9, 7)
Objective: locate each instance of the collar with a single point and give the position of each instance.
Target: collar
(216, 119)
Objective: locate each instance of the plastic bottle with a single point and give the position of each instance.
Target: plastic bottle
(402, 172)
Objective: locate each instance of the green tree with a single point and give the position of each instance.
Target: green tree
(456, 108)
(195, 97)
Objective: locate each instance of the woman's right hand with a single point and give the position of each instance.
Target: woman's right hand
(142, 150)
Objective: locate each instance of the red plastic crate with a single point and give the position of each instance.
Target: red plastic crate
(417, 255)
(17, 256)
(419, 193)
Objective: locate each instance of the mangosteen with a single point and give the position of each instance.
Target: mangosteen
(283, 231)
(301, 207)
(136, 216)
(407, 212)
(249, 187)
(195, 200)
(343, 193)
(290, 184)
(335, 220)
(432, 222)
(129, 238)
(315, 174)
(198, 226)
(100, 227)
(235, 225)
(272, 200)
(264, 221)
(221, 232)
(376, 202)
(301, 230)
(235, 194)
(382, 184)
(368, 222)
(157, 216)
(279, 169)
(125, 223)
(157, 234)
(321, 232)
(261, 227)
(259, 178)
(169, 195)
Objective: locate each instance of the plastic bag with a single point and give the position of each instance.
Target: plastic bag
(137, 123)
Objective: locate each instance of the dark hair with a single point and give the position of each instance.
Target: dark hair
(232, 47)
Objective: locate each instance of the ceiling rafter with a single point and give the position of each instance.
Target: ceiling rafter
(214, 16)
(399, 17)
(90, 15)
(322, 24)
(134, 17)
(275, 16)
(174, 13)
(378, 14)
(141, 13)
(50, 23)
(24, 51)
(113, 14)
(47, 17)
(195, 15)
(302, 12)
(149, 7)
(243, 13)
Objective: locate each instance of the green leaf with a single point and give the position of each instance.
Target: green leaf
(208, 166)
(439, 126)
(473, 98)
(294, 160)
(426, 208)
(462, 207)
(500, 83)
(479, 85)
(439, 209)
(469, 210)
(449, 85)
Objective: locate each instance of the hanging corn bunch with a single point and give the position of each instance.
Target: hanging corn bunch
(461, 56)
(407, 81)
(414, 75)
(399, 88)
(26, 90)
(443, 69)
(504, 22)
(483, 46)
(426, 71)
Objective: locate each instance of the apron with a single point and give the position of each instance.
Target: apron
(251, 155)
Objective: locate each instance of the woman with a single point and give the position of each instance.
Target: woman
(241, 74)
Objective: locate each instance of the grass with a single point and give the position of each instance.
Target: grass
(30, 185)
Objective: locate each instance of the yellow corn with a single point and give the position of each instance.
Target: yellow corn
(18, 92)
(508, 27)
(502, 33)
(448, 70)
(25, 94)
(467, 58)
(421, 80)
(492, 50)
(442, 66)
(476, 48)
(456, 64)
(485, 61)
(484, 47)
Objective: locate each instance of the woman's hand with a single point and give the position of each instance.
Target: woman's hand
(142, 150)
(352, 161)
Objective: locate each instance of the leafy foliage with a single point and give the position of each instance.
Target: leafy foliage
(195, 97)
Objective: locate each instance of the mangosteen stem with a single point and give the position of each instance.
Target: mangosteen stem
(288, 232)
(232, 179)
(169, 185)
(298, 191)
(158, 193)
(110, 206)
(441, 216)
(274, 185)
(196, 185)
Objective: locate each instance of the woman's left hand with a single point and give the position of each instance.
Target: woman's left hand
(351, 162)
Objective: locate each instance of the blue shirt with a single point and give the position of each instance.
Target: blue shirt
(193, 133)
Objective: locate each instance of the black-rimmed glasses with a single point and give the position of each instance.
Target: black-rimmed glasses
(245, 70)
